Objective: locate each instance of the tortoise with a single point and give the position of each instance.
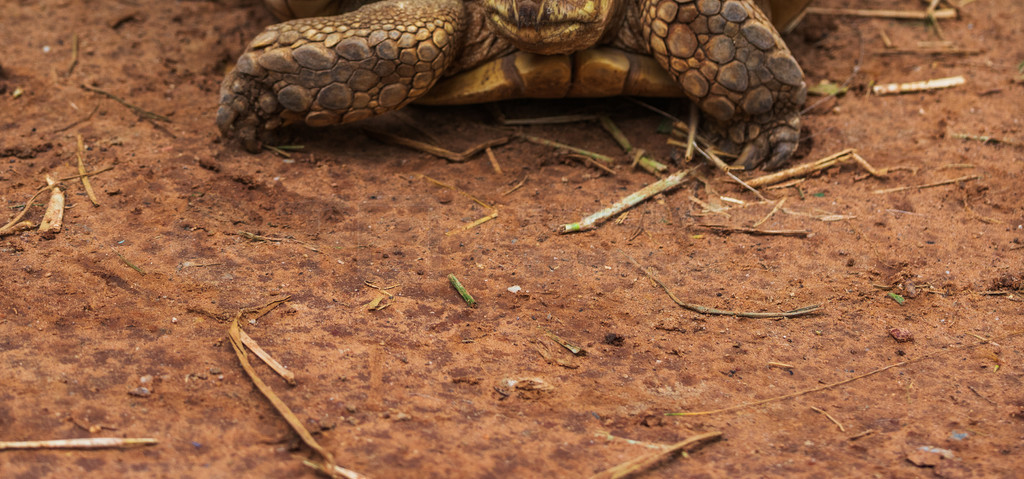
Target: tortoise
(340, 61)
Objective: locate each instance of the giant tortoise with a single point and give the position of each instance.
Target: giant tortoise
(344, 60)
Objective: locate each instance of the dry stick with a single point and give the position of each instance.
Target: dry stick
(76, 122)
(81, 170)
(626, 203)
(846, 381)
(918, 86)
(642, 463)
(755, 232)
(554, 144)
(691, 134)
(646, 161)
(6, 229)
(986, 139)
(592, 162)
(53, 217)
(473, 224)
(930, 51)
(775, 209)
(518, 185)
(74, 54)
(830, 418)
(282, 408)
(940, 14)
(269, 360)
(138, 111)
(706, 310)
(929, 185)
(493, 160)
(455, 157)
(800, 170)
(80, 443)
(449, 186)
(547, 120)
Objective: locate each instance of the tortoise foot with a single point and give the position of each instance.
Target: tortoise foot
(734, 65)
(338, 69)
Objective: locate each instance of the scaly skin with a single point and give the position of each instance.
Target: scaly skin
(338, 69)
(726, 56)
(733, 64)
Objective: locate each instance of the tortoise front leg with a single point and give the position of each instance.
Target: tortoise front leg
(338, 69)
(732, 62)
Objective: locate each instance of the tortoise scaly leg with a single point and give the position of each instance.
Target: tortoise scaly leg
(732, 62)
(338, 69)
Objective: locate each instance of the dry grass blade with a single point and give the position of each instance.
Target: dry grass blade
(849, 380)
(453, 156)
(800, 170)
(266, 357)
(645, 462)
(81, 170)
(712, 311)
(138, 111)
(234, 335)
(723, 229)
(939, 14)
(918, 86)
(929, 185)
(80, 443)
(17, 225)
(830, 418)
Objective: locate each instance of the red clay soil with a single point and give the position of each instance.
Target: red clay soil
(428, 387)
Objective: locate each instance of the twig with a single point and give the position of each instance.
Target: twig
(846, 381)
(929, 185)
(468, 298)
(234, 337)
(940, 14)
(986, 139)
(76, 122)
(800, 170)
(775, 209)
(10, 226)
(81, 170)
(575, 350)
(74, 54)
(918, 86)
(473, 224)
(645, 462)
(830, 418)
(53, 217)
(624, 204)
(493, 160)
(80, 443)
(138, 111)
(456, 157)
(646, 161)
(554, 144)
(128, 263)
(278, 368)
(712, 311)
(756, 232)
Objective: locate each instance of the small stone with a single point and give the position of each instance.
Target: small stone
(140, 392)
(901, 335)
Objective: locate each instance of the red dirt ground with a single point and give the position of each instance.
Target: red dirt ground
(431, 388)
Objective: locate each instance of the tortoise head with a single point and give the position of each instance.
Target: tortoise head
(552, 26)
